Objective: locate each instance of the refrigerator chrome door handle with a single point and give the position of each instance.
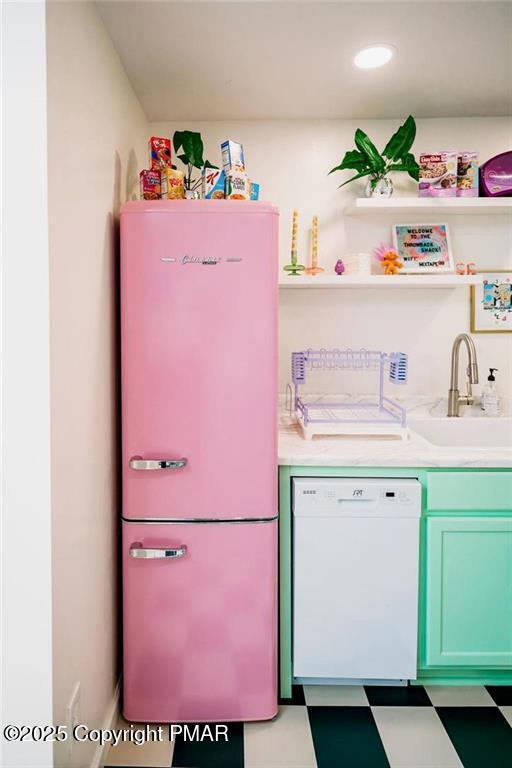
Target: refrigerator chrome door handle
(137, 462)
(156, 553)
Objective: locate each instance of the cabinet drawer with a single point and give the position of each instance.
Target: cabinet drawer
(469, 490)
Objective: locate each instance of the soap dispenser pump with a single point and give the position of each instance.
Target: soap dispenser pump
(490, 395)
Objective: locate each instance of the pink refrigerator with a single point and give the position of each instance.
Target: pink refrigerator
(199, 527)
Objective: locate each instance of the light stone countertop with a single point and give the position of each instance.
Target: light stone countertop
(415, 451)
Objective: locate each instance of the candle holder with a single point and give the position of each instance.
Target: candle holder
(294, 268)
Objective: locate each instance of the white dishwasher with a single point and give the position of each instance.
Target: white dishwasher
(355, 579)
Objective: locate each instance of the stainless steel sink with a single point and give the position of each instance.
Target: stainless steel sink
(469, 432)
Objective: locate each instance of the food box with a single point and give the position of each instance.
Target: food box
(255, 191)
(232, 156)
(159, 153)
(438, 174)
(150, 185)
(214, 184)
(173, 184)
(467, 174)
(237, 186)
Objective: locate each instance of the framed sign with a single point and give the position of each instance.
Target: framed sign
(423, 248)
(491, 302)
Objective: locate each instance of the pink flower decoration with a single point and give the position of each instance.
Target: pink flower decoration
(383, 252)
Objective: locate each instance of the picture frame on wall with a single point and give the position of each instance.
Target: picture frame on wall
(424, 249)
(491, 302)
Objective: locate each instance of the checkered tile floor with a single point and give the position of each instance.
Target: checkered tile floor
(354, 727)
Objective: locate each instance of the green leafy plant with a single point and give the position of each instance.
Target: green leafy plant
(396, 155)
(190, 146)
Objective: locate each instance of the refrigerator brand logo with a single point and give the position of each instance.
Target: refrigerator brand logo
(198, 260)
(358, 492)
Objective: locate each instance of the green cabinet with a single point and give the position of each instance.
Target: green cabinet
(468, 591)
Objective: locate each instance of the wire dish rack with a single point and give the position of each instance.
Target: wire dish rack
(337, 414)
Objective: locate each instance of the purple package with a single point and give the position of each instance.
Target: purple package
(496, 176)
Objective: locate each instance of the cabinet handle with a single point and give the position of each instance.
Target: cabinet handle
(137, 462)
(156, 553)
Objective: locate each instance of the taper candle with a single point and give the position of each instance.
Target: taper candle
(293, 268)
(313, 268)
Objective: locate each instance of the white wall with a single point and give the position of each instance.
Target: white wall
(96, 145)
(26, 611)
(291, 160)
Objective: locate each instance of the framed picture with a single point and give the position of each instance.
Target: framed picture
(423, 248)
(491, 302)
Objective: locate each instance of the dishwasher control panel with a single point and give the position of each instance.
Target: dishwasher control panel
(375, 497)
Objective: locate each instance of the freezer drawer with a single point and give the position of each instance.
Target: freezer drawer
(200, 621)
(355, 579)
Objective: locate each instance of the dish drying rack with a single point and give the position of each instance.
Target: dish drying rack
(330, 414)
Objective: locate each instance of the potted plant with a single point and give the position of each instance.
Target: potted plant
(191, 147)
(368, 161)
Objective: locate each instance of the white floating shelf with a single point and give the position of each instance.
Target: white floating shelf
(431, 205)
(379, 281)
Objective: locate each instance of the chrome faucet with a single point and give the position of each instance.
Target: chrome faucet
(455, 400)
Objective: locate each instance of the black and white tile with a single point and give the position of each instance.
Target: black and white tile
(353, 727)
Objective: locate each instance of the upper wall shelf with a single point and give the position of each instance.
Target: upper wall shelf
(430, 205)
(379, 281)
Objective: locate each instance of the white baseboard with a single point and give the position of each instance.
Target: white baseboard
(109, 721)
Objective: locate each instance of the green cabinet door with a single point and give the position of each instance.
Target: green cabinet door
(468, 591)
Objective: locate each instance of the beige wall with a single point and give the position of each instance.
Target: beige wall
(97, 143)
(291, 160)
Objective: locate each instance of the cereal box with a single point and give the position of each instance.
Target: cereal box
(173, 184)
(467, 174)
(149, 185)
(237, 186)
(214, 184)
(159, 153)
(438, 174)
(232, 156)
(255, 191)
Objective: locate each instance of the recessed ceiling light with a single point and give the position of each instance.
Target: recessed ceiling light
(374, 56)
